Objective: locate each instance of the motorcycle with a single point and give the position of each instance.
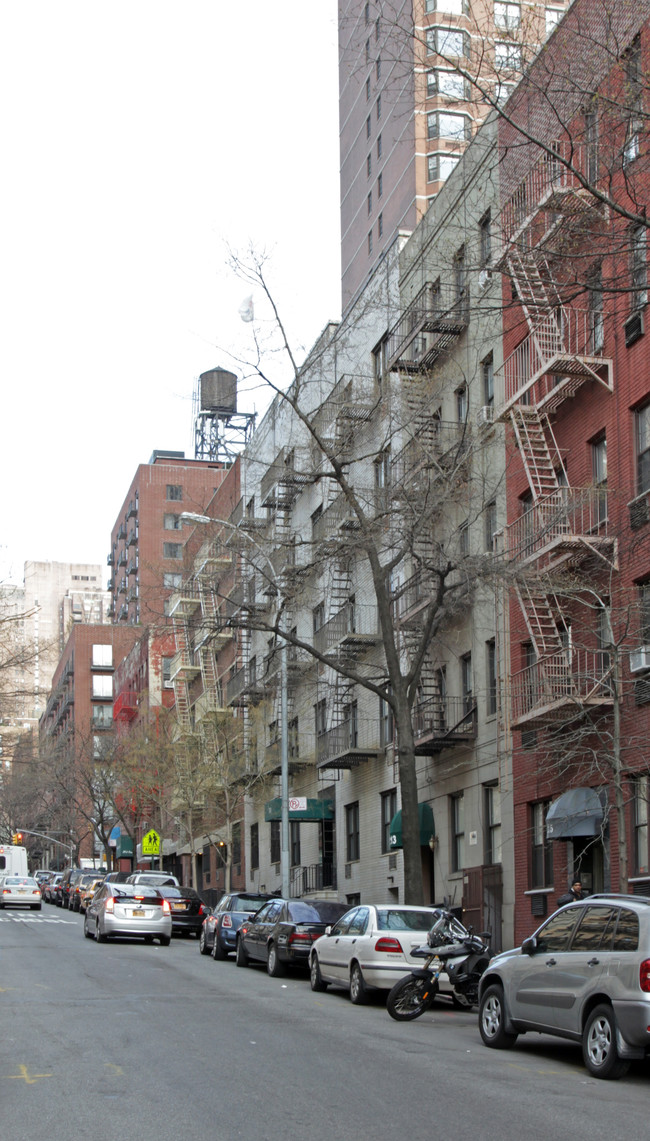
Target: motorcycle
(452, 948)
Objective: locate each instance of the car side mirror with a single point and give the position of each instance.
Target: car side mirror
(529, 946)
(328, 930)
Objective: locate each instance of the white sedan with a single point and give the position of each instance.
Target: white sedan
(370, 947)
(21, 891)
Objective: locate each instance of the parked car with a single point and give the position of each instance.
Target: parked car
(20, 891)
(583, 975)
(78, 886)
(129, 910)
(219, 930)
(42, 875)
(50, 888)
(154, 879)
(65, 887)
(281, 933)
(187, 908)
(370, 948)
(87, 886)
(117, 877)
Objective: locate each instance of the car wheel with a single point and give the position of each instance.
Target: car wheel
(165, 940)
(203, 946)
(358, 991)
(218, 952)
(599, 1045)
(241, 958)
(87, 932)
(274, 966)
(315, 977)
(491, 1019)
(99, 935)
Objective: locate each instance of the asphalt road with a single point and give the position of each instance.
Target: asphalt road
(127, 1042)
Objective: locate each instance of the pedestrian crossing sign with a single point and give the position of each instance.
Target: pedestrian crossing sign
(151, 844)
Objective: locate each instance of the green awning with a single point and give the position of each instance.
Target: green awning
(314, 809)
(427, 827)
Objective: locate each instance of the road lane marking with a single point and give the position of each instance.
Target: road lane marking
(32, 919)
(114, 1068)
(25, 1076)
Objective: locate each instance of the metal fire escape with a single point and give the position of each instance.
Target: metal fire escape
(561, 525)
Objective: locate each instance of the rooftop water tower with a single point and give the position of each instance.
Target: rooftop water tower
(220, 431)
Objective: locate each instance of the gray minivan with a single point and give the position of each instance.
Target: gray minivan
(583, 975)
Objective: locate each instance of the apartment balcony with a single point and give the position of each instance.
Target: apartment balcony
(551, 186)
(132, 594)
(553, 362)
(567, 525)
(299, 663)
(414, 596)
(132, 537)
(210, 702)
(336, 423)
(440, 722)
(559, 685)
(335, 523)
(347, 745)
(183, 666)
(125, 706)
(245, 684)
(283, 481)
(110, 584)
(121, 587)
(351, 631)
(122, 558)
(243, 602)
(245, 520)
(183, 603)
(428, 327)
(310, 879)
(440, 446)
(211, 633)
(132, 568)
(121, 533)
(299, 756)
(123, 613)
(213, 559)
(67, 698)
(110, 559)
(133, 509)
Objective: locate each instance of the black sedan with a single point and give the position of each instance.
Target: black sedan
(283, 930)
(219, 932)
(187, 908)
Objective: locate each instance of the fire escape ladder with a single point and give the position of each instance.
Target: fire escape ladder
(180, 684)
(532, 431)
(530, 285)
(541, 620)
(341, 585)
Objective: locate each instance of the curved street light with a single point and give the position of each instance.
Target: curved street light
(192, 517)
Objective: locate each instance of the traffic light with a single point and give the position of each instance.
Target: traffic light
(17, 838)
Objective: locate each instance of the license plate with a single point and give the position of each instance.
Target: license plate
(179, 906)
(138, 912)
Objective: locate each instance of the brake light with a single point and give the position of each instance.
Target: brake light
(644, 976)
(6, 891)
(226, 921)
(201, 909)
(139, 898)
(35, 891)
(165, 906)
(303, 937)
(110, 904)
(390, 946)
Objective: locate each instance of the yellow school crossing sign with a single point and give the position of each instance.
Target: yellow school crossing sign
(151, 844)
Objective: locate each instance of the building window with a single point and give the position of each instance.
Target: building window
(487, 369)
(367, 89)
(507, 56)
(293, 742)
(174, 491)
(369, 241)
(381, 466)
(591, 141)
(388, 810)
(633, 101)
(380, 226)
(552, 17)
(368, 127)
(172, 550)
(447, 83)
(491, 674)
(102, 656)
(596, 314)
(367, 51)
(275, 841)
(644, 613)
(369, 202)
(642, 417)
(352, 846)
(640, 793)
(378, 105)
(450, 7)
(492, 834)
(490, 524)
(385, 723)
(599, 469)
(466, 682)
(446, 125)
(320, 717)
(166, 664)
(485, 240)
(461, 404)
(463, 539)
(369, 165)
(460, 277)
(102, 685)
(639, 267)
(440, 166)
(294, 843)
(236, 843)
(172, 580)
(255, 846)
(379, 146)
(102, 716)
(367, 14)
(457, 831)
(378, 68)
(541, 852)
(380, 185)
(172, 522)
(448, 42)
(507, 17)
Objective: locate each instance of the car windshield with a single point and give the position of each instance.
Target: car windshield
(392, 919)
(319, 911)
(22, 881)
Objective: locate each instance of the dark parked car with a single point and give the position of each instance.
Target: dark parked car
(79, 887)
(187, 908)
(220, 927)
(50, 888)
(65, 887)
(281, 933)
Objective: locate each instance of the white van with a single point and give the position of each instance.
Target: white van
(13, 860)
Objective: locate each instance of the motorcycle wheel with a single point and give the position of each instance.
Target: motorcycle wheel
(410, 998)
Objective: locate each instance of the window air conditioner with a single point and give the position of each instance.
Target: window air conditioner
(640, 659)
(485, 415)
(484, 278)
(634, 328)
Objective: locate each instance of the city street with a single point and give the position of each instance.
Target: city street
(128, 1042)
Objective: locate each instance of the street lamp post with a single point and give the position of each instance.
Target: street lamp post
(192, 517)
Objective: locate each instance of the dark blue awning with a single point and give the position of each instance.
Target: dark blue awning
(578, 812)
(427, 828)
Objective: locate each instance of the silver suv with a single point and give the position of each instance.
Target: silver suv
(584, 975)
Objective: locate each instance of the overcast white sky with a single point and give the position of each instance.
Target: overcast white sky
(139, 139)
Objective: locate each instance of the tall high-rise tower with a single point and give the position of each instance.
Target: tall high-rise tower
(416, 79)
